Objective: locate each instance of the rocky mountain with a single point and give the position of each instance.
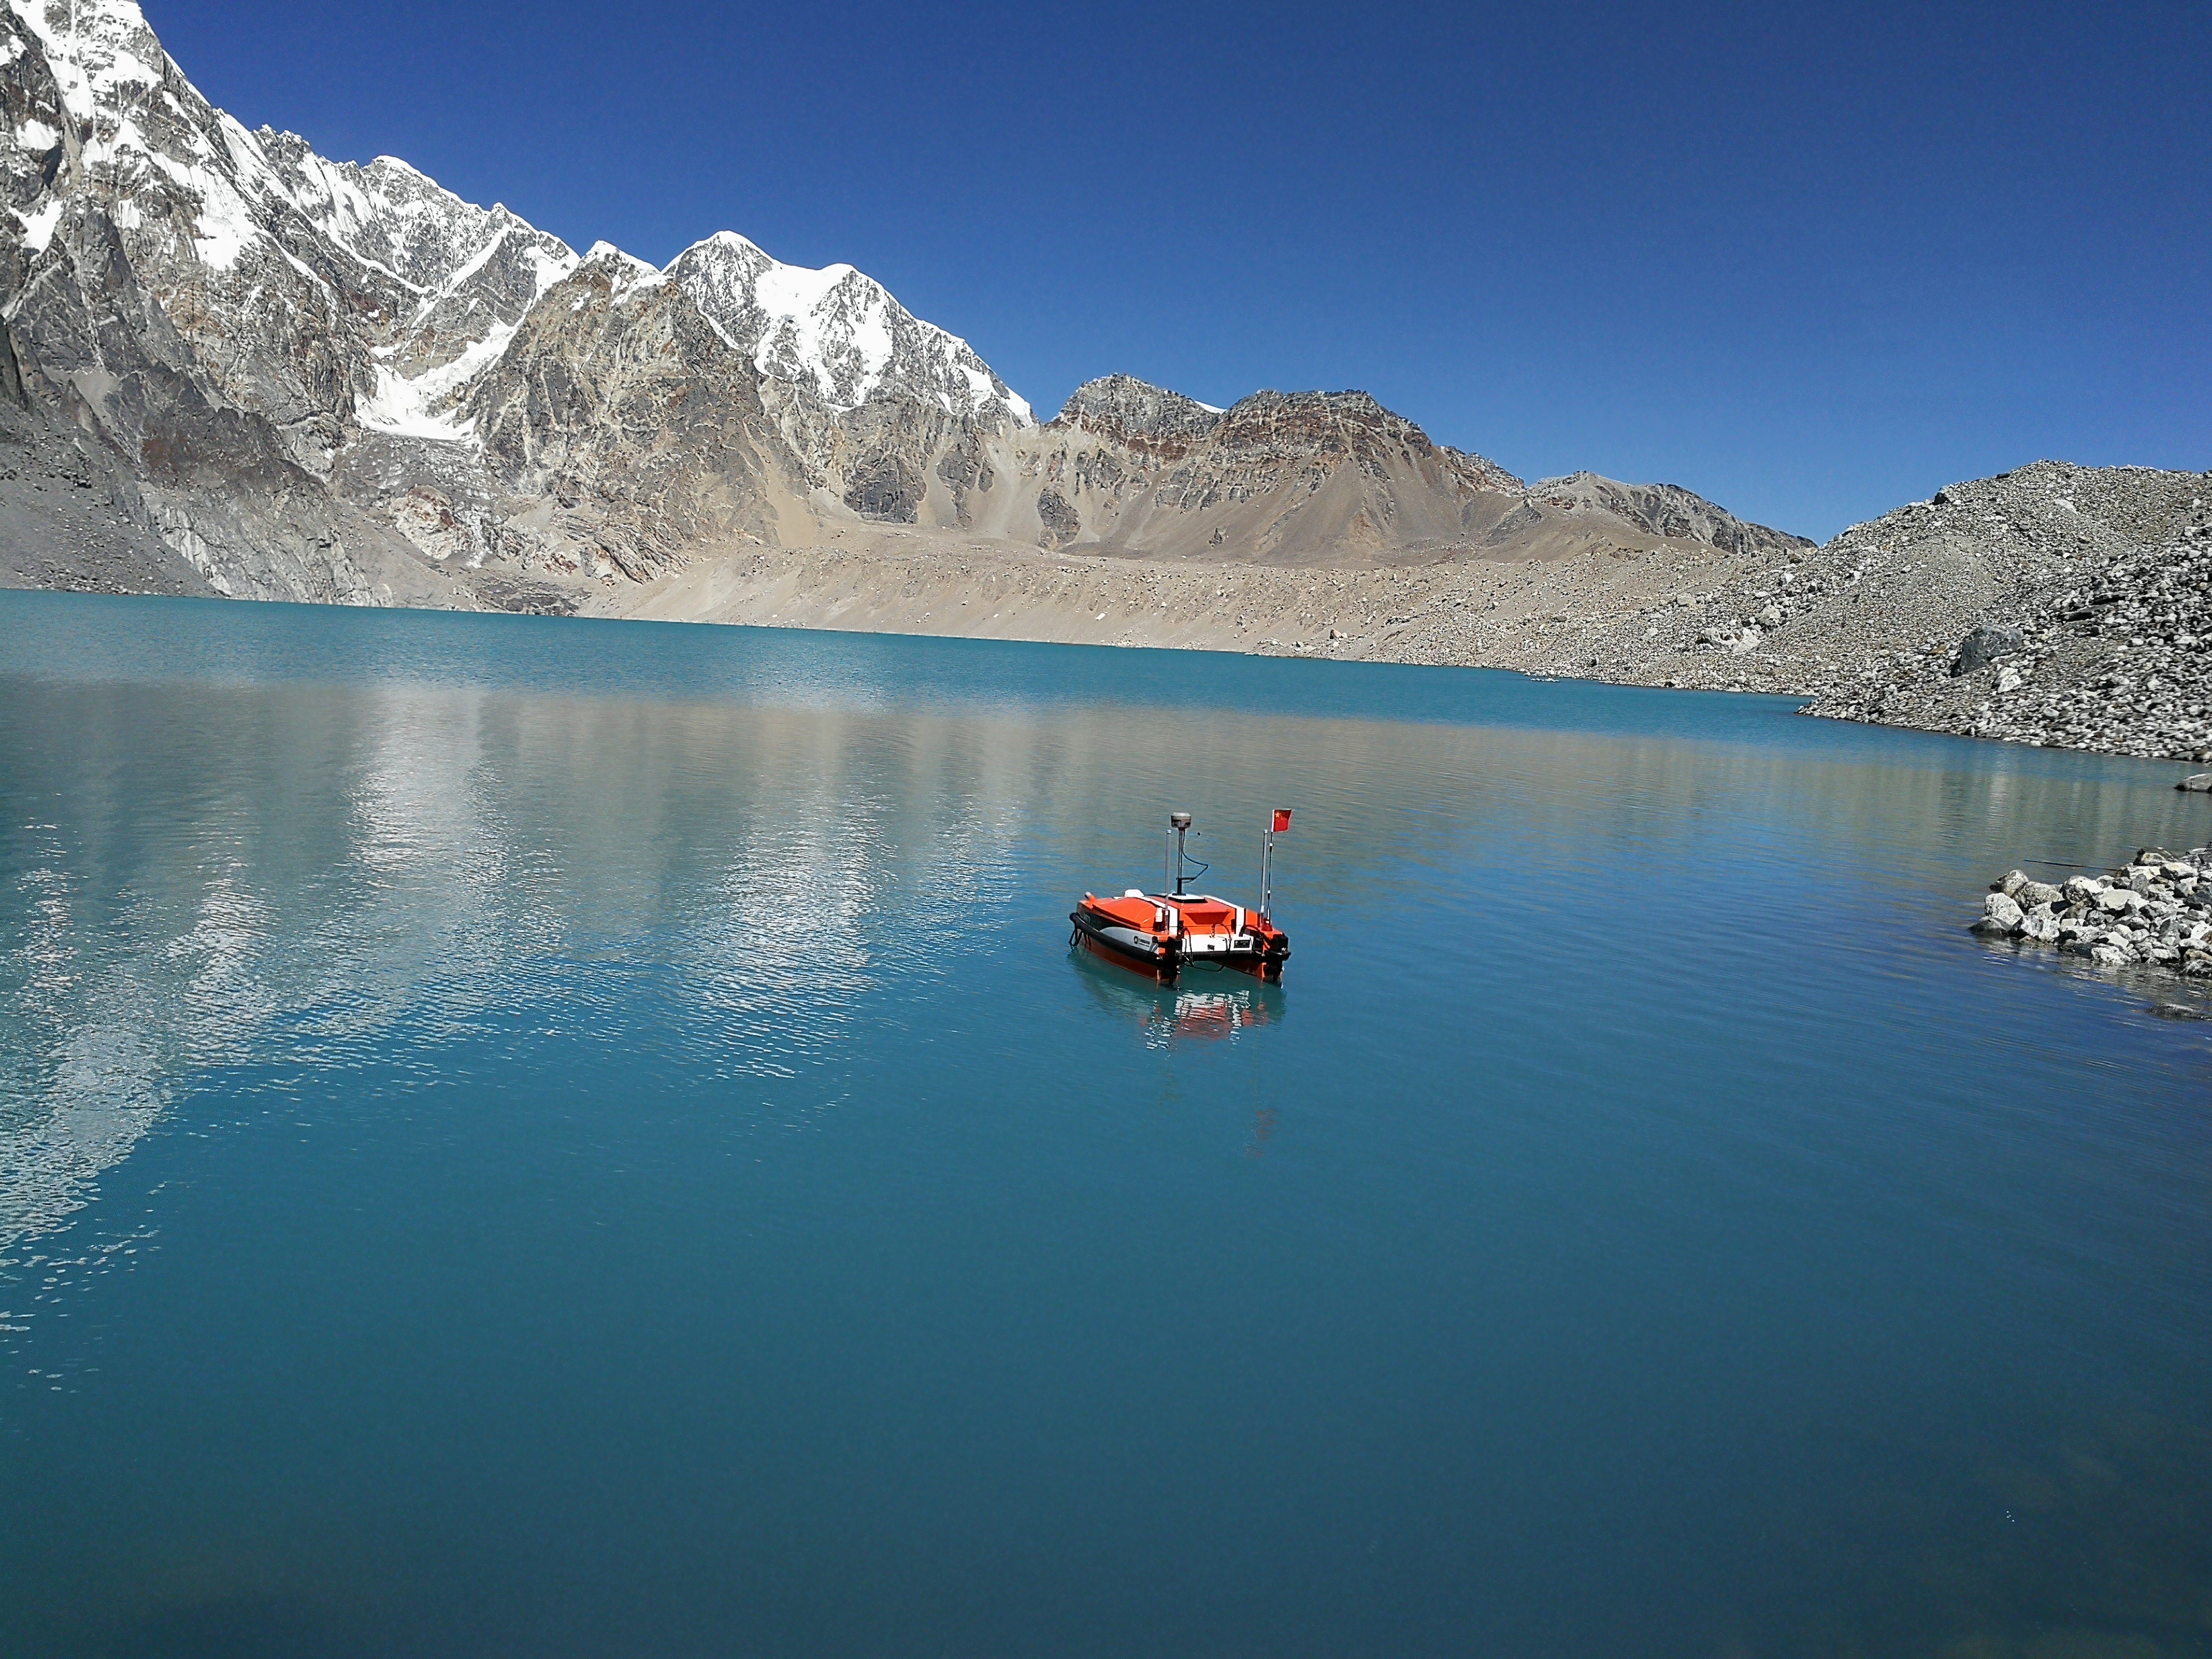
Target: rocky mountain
(1283, 477)
(204, 308)
(290, 377)
(229, 365)
(1668, 511)
(2056, 604)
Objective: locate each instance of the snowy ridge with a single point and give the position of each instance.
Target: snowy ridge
(467, 313)
(135, 110)
(629, 274)
(389, 216)
(97, 49)
(118, 88)
(424, 288)
(835, 331)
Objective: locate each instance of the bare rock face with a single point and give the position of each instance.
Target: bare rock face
(1325, 476)
(883, 486)
(1279, 477)
(72, 517)
(1123, 411)
(624, 426)
(1058, 524)
(1663, 510)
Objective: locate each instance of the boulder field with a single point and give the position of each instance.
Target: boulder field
(2155, 911)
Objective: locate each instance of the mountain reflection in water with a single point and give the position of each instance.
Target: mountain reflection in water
(543, 1136)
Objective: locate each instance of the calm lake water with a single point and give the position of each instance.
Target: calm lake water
(533, 1136)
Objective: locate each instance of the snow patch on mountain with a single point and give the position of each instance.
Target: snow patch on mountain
(428, 404)
(96, 49)
(226, 223)
(39, 223)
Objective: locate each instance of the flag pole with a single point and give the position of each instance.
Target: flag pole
(1278, 821)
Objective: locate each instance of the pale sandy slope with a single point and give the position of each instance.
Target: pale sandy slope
(1547, 613)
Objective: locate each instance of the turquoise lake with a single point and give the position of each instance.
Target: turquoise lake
(538, 1137)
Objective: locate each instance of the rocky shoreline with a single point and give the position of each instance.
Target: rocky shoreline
(2155, 911)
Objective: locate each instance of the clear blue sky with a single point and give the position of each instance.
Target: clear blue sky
(1811, 261)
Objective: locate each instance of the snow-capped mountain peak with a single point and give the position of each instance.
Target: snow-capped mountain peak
(629, 271)
(835, 331)
(130, 126)
(428, 286)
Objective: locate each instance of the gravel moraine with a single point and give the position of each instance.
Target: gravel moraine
(2062, 605)
(2155, 911)
(2065, 606)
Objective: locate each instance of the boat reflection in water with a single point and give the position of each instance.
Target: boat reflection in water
(1205, 1003)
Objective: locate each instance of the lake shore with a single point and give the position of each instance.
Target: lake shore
(2089, 588)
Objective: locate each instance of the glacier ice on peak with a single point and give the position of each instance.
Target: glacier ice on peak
(426, 405)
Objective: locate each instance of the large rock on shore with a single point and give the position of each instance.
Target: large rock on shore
(1982, 647)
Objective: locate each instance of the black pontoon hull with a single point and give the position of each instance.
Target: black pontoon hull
(1143, 951)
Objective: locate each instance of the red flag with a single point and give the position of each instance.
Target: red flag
(1282, 819)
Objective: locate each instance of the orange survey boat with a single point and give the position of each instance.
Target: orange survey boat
(1162, 932)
